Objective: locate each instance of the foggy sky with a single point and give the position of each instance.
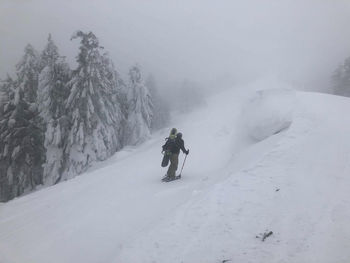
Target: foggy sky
(197, 39)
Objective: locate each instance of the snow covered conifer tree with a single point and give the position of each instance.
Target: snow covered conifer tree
(21, 151)
(341, 79)
(52, 90)
(111, 73)
(93, 114)
(7, 87)
(140, 109)
(27, 72)
(161, 111)
(52, 94)
(50, 53)
(118, 93)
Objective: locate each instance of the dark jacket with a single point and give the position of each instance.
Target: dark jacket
(174, 146)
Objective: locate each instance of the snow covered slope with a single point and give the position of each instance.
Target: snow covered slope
(292, 180)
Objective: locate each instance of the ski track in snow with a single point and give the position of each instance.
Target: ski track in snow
(294, 183)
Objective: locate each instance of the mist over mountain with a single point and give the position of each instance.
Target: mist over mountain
(300, 41)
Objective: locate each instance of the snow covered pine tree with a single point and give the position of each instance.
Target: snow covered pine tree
(27, 72)
(140, 109)
(118, 94)
(52, 94)
(161, 110)
(6, 90)
(341, 79)
(21, 149)
(93, 114)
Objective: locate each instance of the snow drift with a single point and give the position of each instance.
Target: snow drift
(269, 112)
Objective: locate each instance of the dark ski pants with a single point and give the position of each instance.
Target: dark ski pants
(174, 162)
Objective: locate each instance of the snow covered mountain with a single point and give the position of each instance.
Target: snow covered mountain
(273, 160)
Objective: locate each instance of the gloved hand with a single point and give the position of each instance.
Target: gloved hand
(187, 152)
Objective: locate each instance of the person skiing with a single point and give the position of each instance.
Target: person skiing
(172, 148)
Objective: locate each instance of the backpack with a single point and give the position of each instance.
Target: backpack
(168, 146)
(170, 141)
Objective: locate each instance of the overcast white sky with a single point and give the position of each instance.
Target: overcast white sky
(197, 39)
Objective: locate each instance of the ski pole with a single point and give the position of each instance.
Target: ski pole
(183, 165)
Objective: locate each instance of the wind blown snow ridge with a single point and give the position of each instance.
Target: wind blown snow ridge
(292, 181)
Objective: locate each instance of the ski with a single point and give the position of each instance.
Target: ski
(167, 179)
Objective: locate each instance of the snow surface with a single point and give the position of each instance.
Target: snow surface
(294, 182)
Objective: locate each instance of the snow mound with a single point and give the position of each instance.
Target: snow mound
(269, 112)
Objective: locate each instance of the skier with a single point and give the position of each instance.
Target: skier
(172, 149)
